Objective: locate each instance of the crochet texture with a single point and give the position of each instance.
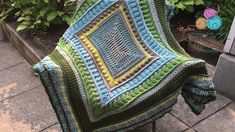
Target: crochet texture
(118, 67)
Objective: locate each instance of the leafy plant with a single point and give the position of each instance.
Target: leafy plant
(38, 15)
(227, 13)
(186, 4)
(213, 3)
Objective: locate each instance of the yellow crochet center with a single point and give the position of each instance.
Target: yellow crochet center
(112, 82)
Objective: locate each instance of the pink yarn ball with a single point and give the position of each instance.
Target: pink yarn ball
(210, 12)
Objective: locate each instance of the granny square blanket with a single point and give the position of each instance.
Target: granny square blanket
(118, 67)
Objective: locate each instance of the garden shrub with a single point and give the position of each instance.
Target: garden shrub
(227, 13)
(186, 4)
(38, 15)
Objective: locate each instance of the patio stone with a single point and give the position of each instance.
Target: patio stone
(224, 76)
(190, 130)
(4, 44)
(30, 111)
(183, 112)
(222, 121)
(54, 128)
(17, 79)
(9, 57)
(169, 123)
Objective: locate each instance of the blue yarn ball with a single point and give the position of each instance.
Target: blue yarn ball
(214, 23)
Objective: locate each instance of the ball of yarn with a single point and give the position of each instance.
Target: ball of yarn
(210, 12)
(201, 23)
(214, 23)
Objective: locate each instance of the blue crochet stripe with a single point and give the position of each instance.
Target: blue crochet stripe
(53, 76)
(203, 93)
(143, 30)
(106, 95)
(90, 15)
(209, 85)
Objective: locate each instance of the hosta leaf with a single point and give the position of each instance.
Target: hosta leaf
(60, 13)
(2, 18)
(42, 12)
(27, 18)
(67, 19)
(27, 11)
(52, 15)
(34, 1)
(21, 27)
(46, 1)
(180, 5)
(3, 13)
(190, 8)
(38, 22)
(46, 23)
(173, 1)
(198, 2)
(187, 2)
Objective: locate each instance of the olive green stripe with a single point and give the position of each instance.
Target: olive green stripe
(83, 8)
(162, 107)
(150, 23)
(166, 29)
(55, 93)
(73, 89)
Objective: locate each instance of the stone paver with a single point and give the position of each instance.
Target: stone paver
(9, 57)
(182, 111)
(54, 128)
(4, 44)
(17, 79)
(30, 111)
(224, 76)
(169, 123)
(222, 121)
(190, 130)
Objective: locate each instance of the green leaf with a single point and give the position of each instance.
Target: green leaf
(60, 13)
(3, 18)
(180, 5)
(46, 23)
(27, 11)
(27, 18)
(52, 15)
(199, 2)
(173, 1)
(21, 27)
(190, 8)
(42, 12)
(187, 2)
(46, 1)
(38, 22)
(67, 19)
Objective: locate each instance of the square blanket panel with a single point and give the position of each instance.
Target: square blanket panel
(118, 67)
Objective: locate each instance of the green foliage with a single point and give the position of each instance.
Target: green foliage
(187, 5)
(38, 15)
(213, 3)
(227, 13)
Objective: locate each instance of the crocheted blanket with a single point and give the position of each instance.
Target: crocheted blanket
(118, 67)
